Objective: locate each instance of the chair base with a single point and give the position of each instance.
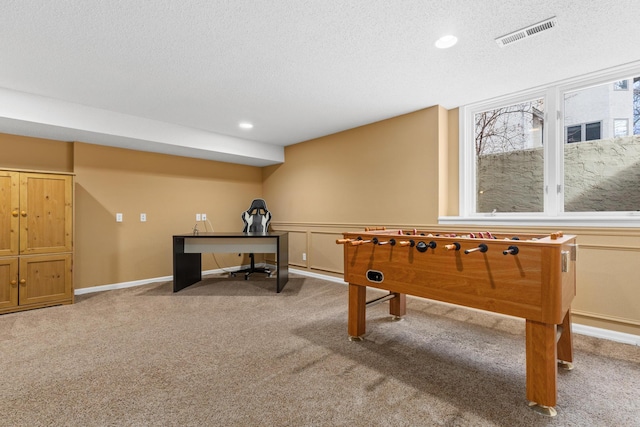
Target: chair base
(252, 269)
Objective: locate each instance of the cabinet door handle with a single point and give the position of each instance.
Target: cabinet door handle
(14, 213)
(23, 281)
(23, 213)
(14, 282)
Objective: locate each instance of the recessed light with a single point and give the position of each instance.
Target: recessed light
(447, 41)
(245, 125)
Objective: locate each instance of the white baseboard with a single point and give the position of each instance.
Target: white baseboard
(318, 276)
(606, 334)
(141, 282)
(590, 331)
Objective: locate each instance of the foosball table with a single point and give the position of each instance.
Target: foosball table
(524, 275)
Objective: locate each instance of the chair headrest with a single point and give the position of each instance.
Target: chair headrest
(258, 206)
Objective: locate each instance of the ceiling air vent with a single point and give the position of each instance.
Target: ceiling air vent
(527, 32)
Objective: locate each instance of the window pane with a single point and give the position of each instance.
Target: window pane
(510, 158)
(574, 133)
(621, 85)
(636, 106)
(602, 173)
(592, 131)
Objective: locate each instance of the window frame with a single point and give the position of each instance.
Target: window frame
(554, 136)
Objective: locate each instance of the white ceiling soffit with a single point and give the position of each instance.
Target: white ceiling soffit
(529, 31)
(36, 116)
(182, 74)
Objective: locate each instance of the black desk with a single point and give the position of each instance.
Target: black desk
(188, 250)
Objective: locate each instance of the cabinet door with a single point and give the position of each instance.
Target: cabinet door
(45, 279)
(45, 213)
(9, 211)
(8, 282)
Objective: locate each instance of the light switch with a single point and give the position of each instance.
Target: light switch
(118, 217)
(143, 217)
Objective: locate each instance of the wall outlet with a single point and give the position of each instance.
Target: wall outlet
(198, 217)
(204, 217)
(304, 256)
(118, 217)
(143, 217)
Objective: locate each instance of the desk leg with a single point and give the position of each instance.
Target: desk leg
(542, 367)
(357, 311)
(282, 262)
(187, 270)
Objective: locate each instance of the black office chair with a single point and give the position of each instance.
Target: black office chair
(256, 220)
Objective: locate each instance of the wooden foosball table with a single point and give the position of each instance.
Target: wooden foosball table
(524, 275)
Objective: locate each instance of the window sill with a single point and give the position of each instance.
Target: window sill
(631, 220)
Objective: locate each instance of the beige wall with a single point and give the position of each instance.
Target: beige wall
(170, 190)
(453, 175)
(35, 154)
(384, 172)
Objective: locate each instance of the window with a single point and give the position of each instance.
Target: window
(600, 173)
(620, 127)
(507, 139)
(590, 131)
(621, 85)
(566, 153)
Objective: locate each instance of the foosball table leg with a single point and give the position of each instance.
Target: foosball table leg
(357, 312)
(542, 369)
(565, 343)
(398, 306)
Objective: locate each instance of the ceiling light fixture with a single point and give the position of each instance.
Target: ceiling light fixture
(446, 42)
(245, 125)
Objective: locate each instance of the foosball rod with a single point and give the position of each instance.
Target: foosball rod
(481, 247)
(511, 250)
(391, 242)
(362, 242)
(380, 299)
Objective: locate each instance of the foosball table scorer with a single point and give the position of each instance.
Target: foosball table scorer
(530, 276)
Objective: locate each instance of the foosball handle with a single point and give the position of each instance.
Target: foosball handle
(391, 242)
(511, 250)
(410, 243)
(481, 247)
(554, 236)
(362, 242)
(452, 246)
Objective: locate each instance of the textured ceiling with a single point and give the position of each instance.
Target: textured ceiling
(297, 69)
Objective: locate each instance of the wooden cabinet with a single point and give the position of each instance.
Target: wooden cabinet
(36, 240)
(9, 283)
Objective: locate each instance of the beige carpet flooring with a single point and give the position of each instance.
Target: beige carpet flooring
(229, 352)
